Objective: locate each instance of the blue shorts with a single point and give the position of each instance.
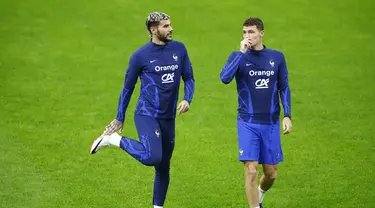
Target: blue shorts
(259, 142)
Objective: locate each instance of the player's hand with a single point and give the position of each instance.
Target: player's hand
(287, 125)
(183, 107)
(244, 45)
(114, 126)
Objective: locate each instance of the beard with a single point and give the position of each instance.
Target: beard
(164, 38)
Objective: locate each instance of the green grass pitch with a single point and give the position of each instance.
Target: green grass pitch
(62, 66)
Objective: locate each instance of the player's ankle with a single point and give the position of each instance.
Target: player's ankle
(261, 194)
(115, 139)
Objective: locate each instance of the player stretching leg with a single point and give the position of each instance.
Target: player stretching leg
(160, 64)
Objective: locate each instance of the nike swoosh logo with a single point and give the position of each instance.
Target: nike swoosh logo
(249, 64)
(152, 61)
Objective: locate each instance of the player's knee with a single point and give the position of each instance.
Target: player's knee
(163, 167)
(251, 169)
(271, 175)
(162, 174)
(152, 160)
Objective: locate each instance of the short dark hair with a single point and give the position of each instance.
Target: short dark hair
(154, 18)
(151, 24)
(254, 21)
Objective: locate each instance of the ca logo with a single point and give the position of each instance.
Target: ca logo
(167, 78)
(261, 83)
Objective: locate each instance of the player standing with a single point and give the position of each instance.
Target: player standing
(262, 79)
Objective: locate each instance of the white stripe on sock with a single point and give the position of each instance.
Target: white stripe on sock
(261, 194)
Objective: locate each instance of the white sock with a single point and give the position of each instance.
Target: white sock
(115, 139)
(261, 194)
(256, 207)
(157, 206)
